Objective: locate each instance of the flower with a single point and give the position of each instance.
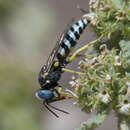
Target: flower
(82, 65)
(92, 17)
(117, 61)
(104, 97)
(104, 49)
(104, 8)
(94, 60)
(74, 83)
(93, 4)
(125, 108)
(120, 16)
(108, 78)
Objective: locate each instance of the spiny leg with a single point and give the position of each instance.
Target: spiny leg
(85, 47)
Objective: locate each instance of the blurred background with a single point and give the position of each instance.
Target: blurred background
(29, 30)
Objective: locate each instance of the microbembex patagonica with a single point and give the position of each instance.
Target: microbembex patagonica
(51, 72)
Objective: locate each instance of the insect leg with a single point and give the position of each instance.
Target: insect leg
(68, 94)
(56, 99)
(46, 105)
(72, 71)
(84, 48)
(57, 93)
(57, 108)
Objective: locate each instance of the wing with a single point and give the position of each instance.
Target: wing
(54, 52)
(52, 56)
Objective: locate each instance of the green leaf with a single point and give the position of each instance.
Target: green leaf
(125, 46)
(95, 121)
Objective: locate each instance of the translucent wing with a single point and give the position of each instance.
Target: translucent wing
(54, 52)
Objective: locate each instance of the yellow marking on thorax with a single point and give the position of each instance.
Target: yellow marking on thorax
(56, 64)
(44, 75)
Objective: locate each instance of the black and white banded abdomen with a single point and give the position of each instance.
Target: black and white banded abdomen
(70, 38)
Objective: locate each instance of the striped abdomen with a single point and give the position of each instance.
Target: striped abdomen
(70, 38)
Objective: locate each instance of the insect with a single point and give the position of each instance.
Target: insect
(51, 72)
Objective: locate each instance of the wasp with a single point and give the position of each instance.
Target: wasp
(51, 72)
